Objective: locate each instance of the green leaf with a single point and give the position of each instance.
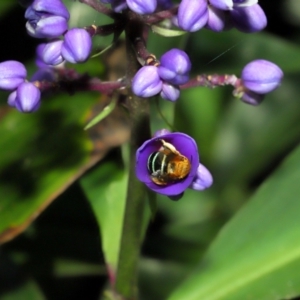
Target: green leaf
(105, 188)
(103, 114)
(167, 32)
(257, 254)
(43, 153)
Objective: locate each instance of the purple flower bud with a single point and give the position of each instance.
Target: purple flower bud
(249, 18)
(77, 46)
(12, 74)
(11, 100)
(164, 4)
(192, 14)
(261, 76)
(43, 74)
(146, 82)
(142, 6)
(170, 92)
(175, 66)
(185, 145)
(202, 180)
(217, 19)
(39, 59)
(51, 53)
(47, 19)
(161, 132)
(27, 98)
(222, 4)
(252, 98)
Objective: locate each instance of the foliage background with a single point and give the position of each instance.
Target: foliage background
(59, 255)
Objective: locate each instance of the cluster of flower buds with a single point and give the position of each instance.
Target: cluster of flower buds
(169, 162)
(218, 15)
(45, 19)
(49, 19)
(141, 7)
(164, 77)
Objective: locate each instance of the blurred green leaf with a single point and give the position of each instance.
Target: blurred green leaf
(27, 291)
(105, 188)
(256, 255)
(44, 152)
(103, 114)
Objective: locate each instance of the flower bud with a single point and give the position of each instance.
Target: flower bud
(249, 18)
(192, 14)
(77, 46)
(47, 19)
(11, 100)
(12, 74)
(252, 98)
(142, 7)
(202, 180)
(222, 4)
(170, 92)
(161, 132)
(43, 74)
(27, 98)
(146, 82)
(174, 67)
(261, 76)
(217, 19)
(51, 53)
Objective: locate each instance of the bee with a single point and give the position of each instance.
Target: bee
(167, 165)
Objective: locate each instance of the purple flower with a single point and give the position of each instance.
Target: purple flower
(12, 74)
(51, 53)
(146, 82)
(261, 76)
(77, 45)
(183, 144)
(47, 19)
(142, 6)
(174, 67)
(249, 18)
(192, 14)
(27, 97)
(170, 92)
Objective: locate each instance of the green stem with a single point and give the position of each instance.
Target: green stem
(126, 279)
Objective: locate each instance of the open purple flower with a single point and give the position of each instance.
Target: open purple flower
(186, 146)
